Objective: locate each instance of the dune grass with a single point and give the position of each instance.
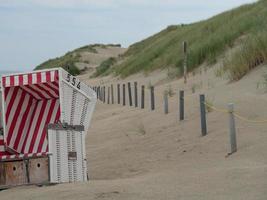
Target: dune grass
(104, 67)
(88, 48)
(67, 62)
(207, 40)
(251, 53)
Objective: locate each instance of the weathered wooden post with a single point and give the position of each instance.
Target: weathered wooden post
(203, 115)
(181, 104)
(143, 97)
(185, 61)
(108, 94)
(130, 94)
(104, 94)
(112, 94)
(101, 93)
(123, 95)
(135, 95)
(152, 98)
(119, 93)
(165, 103)
(232, 128)
(97, 95)
(98, 92)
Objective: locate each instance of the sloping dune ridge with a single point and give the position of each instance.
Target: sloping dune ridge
(142, 154)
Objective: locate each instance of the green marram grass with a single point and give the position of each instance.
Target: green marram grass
(207, 40)
(103, 68)
(69, 59)
(251, 53)
(67, 62)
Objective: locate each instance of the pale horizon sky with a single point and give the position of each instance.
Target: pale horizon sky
(33, 31)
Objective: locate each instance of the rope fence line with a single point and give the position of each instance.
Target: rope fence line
(191, 95)
(248, 120)
(216, 109)
(182, 98)
(236, 114)
(140, 97)
(232, 115)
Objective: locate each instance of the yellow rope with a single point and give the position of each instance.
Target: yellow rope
(217, 109)
(227, 111)
(235, 114)
(248, 120)
(190, 95)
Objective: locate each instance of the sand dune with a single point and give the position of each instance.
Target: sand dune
(138, 154)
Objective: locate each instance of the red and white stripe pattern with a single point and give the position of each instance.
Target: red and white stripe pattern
(2, 145)
(26, 119)
(29, 79)
(23, 156)
(42, 90)
(29, 108)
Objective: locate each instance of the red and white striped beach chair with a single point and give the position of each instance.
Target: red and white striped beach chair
(30, 102)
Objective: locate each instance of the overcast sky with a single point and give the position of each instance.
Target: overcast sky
(32, 31)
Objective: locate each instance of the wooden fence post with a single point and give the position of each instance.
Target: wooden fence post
(181, 95)
(101, 94)
(119, 93)
(135, 94)
(108, 95)
(143, 97)
(203, 115)
(232, 128)
(185, 61)
(112, 94)
(130, 94)
(123, 95)
(152, 98)
(104, 94)
(166, 103)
